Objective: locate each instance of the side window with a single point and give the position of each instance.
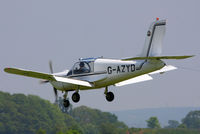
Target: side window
(81, 67)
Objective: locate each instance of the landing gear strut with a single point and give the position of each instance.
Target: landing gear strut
(109, 95)
(66, 102)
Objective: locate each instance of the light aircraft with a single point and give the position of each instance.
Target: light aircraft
(93, 73)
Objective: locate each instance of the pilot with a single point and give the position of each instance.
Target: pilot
(82, 68)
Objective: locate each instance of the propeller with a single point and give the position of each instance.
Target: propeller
(50, 67)
(54, 89)
(43, 81)
(51, 71)
(56, 94)
(46, 81)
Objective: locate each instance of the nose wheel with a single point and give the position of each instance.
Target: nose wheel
(66, 102)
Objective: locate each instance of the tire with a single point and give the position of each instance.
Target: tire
(109, 96)
(75, 97)
(66, 103)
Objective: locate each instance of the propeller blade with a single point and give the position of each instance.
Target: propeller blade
(43, 81)
(50, 66)
(51, 70)
(54, 89)
(56, 94)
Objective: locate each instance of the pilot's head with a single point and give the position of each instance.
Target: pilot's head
(82, 64)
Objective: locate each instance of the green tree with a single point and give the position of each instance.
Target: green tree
(21, 114)
(71, 131)
(95, 119)
(173, 124)
(107, 128)
(41, 131)
(153, 122)
(59, 132)
(192, 119)
(90, 129)
(182, 126)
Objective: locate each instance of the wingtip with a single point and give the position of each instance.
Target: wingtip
(189, 56)
(6, 69)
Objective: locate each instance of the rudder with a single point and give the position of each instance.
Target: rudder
(154, 39)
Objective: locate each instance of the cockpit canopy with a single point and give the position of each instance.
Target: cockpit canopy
(83, 66)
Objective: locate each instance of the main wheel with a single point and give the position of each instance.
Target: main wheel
(109, 96)
(75, 97)
(66, 103)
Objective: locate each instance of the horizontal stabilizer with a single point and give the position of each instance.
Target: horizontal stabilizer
(137, 79)
(164, 69)
(159, 57)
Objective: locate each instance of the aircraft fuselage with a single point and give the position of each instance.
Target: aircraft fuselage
(109, 71)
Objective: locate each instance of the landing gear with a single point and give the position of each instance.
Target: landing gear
(76, 97)
(109, 95)
(66, 102)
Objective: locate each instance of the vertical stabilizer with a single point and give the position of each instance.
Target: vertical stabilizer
(154, 39)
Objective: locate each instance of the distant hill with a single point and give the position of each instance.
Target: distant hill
(137, 118)
(20, 114)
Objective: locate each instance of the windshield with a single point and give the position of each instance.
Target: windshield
(81, 68)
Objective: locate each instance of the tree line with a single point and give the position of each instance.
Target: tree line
(21, 114)
(191, 121)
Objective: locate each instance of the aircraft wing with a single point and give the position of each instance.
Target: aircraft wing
(29, 73)
(137, 79)
(46, 76)
(73, 81)
(146, 77)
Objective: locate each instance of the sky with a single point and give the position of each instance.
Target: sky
(36, 31)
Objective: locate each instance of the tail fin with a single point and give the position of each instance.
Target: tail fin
(154, 39)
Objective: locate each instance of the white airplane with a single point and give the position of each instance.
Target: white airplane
(93, 73)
